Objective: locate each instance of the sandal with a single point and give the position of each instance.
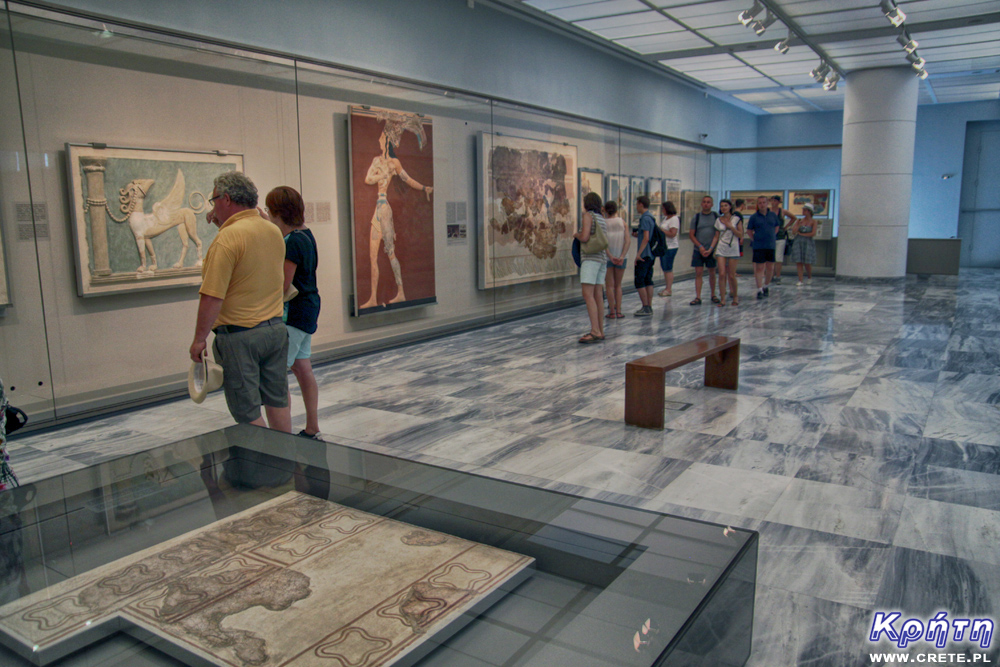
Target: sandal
(664, 292)
(715, 299)
(610, 316)
(696, 302)
(619, 315)
(721, 304)
(589, 338)
(736, 302)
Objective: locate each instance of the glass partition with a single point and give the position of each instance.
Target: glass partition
(24, 224)
(113, 135)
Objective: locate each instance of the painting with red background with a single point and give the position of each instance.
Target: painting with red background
(412, 213)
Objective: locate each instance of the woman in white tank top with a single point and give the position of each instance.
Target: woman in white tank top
(618, 242)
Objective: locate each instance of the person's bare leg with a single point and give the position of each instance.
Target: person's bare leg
(732, 281)
(777, 269)
(593, 310)
(259, 422)
(670, 282)
(758, 275)
(649, 294)
(609, 284)
(798, 270)
(711, 281)
(619, 275)
(699, 271)
(279, 419)
(645, 296)
(809, 271)
(302, 368)
(599, 299)
(721, 264)
(768, 273)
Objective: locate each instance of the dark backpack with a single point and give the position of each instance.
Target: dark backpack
(657, 242)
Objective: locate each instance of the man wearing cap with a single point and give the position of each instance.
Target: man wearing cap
(241, 301)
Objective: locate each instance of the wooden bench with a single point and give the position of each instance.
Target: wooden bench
(645, 377)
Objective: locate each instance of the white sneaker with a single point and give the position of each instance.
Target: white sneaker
(809, 281)
(799, 284)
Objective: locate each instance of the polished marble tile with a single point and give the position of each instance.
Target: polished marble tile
(810, 386)
(959, 455)
(723, 489)
(892, 395)
(965, 422)
(772, 458)
(948, 529)
(823, 565)
(899, 423)
(951, 485)
(625, 473)
(970, 387)
(880, 445)
(855, 470)
(922, 583)
(868, 514)
(779, 430)
(717, 415)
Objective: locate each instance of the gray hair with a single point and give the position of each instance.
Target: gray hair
(238, 186)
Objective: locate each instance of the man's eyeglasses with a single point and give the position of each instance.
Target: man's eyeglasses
(211, 200)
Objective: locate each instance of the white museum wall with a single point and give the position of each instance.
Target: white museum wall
(482, 50)
(132, 343)
(24, 364)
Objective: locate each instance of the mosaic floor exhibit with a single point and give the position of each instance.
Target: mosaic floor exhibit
(863, 442)
(255, 589)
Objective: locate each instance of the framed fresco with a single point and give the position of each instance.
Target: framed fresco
(591, 180)
(672, 191)
(618, 190)
(655, 190)
(749, 198)
(392, 209)
(138, 216)
(528, 208)
(637, 185)
(691, 204)
(822, 201)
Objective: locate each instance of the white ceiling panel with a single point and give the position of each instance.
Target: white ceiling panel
(623, 20)
(596, 9)
(676, 41)
(697, 63)
(789, 109)
(652, 28)
(549, 5)
(732, 33)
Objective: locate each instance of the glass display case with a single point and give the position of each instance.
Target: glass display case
(608, 584)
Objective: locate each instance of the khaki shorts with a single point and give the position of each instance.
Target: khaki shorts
(254, 370)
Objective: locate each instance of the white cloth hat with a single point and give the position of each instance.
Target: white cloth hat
(203, 378)
(810, 207)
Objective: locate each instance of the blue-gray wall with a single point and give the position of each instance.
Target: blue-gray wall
(481, 50)
(939, 150)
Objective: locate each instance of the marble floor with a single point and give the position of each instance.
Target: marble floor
(863, 443)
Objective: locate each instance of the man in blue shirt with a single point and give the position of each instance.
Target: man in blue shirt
(763, 228)
(644, 260)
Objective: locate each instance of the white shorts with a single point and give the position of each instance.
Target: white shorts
(593, 272)
(779, 250)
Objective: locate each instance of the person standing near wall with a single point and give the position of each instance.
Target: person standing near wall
(286, 209)
(728, 250)
(618, 243)
(644, 260)
(781, 237)
(804, 249)
(593, 267)
(671, 226)
(8, 480)
(762, 228)
(704, 236)
(241, 301)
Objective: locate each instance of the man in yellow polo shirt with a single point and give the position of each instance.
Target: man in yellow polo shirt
(241, 301)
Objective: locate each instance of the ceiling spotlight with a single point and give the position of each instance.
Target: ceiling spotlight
(747, 15)
(908, 43)
(782, 46)
(915, 60)
(820, 72)
(104, 33)
(760, 26)
(892, 12)
(831, 81)
(922, 74)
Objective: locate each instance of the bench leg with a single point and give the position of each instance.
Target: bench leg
(644, 396)
(722, 369)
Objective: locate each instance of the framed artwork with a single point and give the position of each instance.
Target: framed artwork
(618, 190)
(392, 209)
(672, 191)
(655, 190)
(637, 184)
(690, 204)
(138, 216)
(528, 208)
(749, 198)
(591, 180)
(822, 201)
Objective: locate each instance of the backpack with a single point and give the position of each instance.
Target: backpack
(657, 241)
